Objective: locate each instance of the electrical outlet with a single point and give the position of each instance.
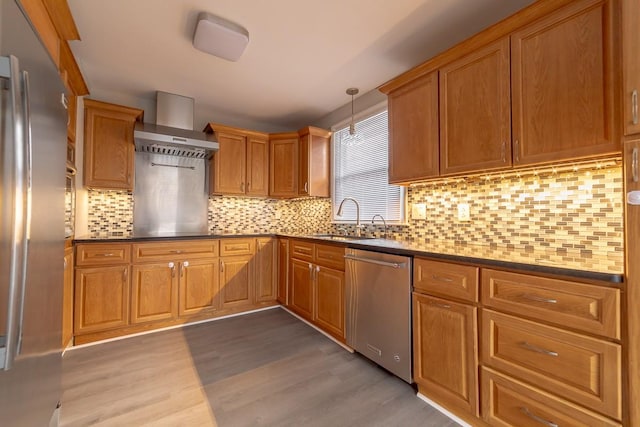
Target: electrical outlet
(419, 211)
(463, 212)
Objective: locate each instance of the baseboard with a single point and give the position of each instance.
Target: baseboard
(442, 410)
(346, 347)
(168, 328)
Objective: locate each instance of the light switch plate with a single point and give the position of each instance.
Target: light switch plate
(463, 212)
(419, 211)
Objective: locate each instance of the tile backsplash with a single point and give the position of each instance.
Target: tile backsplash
(577, 211)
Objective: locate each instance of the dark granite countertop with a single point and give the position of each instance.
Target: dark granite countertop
(563, 263)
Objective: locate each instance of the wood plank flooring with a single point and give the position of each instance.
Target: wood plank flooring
(261, 369)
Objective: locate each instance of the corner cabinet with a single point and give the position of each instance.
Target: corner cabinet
(563, 70)
(413, 131)
(240, 166)
(283, 164)
(108, 145)
(475, 111)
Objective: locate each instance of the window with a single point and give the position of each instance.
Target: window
(361, 172)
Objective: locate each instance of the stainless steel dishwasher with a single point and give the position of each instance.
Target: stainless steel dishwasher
(378, 307)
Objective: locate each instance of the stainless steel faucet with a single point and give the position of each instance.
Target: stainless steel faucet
(358, 226)
(383, 221)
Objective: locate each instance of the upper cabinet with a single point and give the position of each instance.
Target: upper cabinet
(475, 111)
(539, 87)
(413, 130)
(631, 65)
(108, 144)
(563, 87)
(313, 162)
(283, 164)
(240, 166)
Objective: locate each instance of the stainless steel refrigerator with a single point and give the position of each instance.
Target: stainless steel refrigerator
(32, 170)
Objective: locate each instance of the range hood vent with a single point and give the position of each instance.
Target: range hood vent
(173, 134)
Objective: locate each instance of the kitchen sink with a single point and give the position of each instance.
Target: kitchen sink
(339, 237)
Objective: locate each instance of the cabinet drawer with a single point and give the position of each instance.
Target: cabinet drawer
(329, 256)
(593, 309)
(445, 279)
(510, 402)
(171, 251)
(103, 254)
(302, 250)
(237, 247)
(582, 369)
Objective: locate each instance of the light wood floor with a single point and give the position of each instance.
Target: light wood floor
(262, 369)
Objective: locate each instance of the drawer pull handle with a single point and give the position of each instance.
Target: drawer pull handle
(438, 304)
(634, 164)
(177, 251)
(441, 279)
(539, 299)
(537, 349)
(634, 106)
(106, 254)
(534, 417)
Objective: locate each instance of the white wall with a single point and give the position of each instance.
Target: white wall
(361, 103)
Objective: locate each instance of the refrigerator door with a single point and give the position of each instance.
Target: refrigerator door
(32, 120)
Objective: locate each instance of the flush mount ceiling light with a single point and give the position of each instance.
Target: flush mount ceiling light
(219, 37)
(352, 138)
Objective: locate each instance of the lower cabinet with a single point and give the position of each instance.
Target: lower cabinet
(235, 281)
(199, 287)
(445, 351)
(316, 289)
(101, 298)
(283, 272)
(265, 269)
(154, 293)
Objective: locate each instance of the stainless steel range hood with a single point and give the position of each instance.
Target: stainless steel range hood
(173, 132)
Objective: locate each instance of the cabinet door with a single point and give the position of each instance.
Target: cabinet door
(199, 287)
(283, 271)
(153, 292)
(229, 164)
(265, 270)
(563, 86)
(101, 298)
(445, 351)
(329, 300)
(313, 162)
(283, 167)
(631, 65)
(235, 281)
(67, 298)
(257, 166)
(301, 289)
(304, 149)
(108, 145)
(413, 130)
(475, 111)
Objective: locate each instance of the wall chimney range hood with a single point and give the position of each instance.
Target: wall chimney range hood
(173, 132)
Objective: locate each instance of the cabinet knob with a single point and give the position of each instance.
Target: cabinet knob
(172, 266)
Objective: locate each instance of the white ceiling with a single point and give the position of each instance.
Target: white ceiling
(301, 57)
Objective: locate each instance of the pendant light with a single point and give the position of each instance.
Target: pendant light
(353, 138)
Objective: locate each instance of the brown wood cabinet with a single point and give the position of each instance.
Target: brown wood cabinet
(317, 285)
(475, 111)
(582, 369)
(313, 162)
(101, 298)
(265, 269)
(67, 298)
(563, 70)
(283, 164)
(446, 279)
(108, 144)
(283, 271)
(154, 292)
(240, 166)
(631, 65)
(236, 280)
(445, 352)
(509, 402)
(199, 287)
(413, 131)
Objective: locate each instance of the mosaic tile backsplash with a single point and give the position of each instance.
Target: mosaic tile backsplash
(575, 211)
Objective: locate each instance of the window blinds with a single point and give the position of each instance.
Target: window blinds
(360, 172)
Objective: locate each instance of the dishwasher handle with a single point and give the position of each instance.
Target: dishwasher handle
(377, 261)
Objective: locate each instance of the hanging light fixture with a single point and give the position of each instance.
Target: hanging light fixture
(352, 138)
